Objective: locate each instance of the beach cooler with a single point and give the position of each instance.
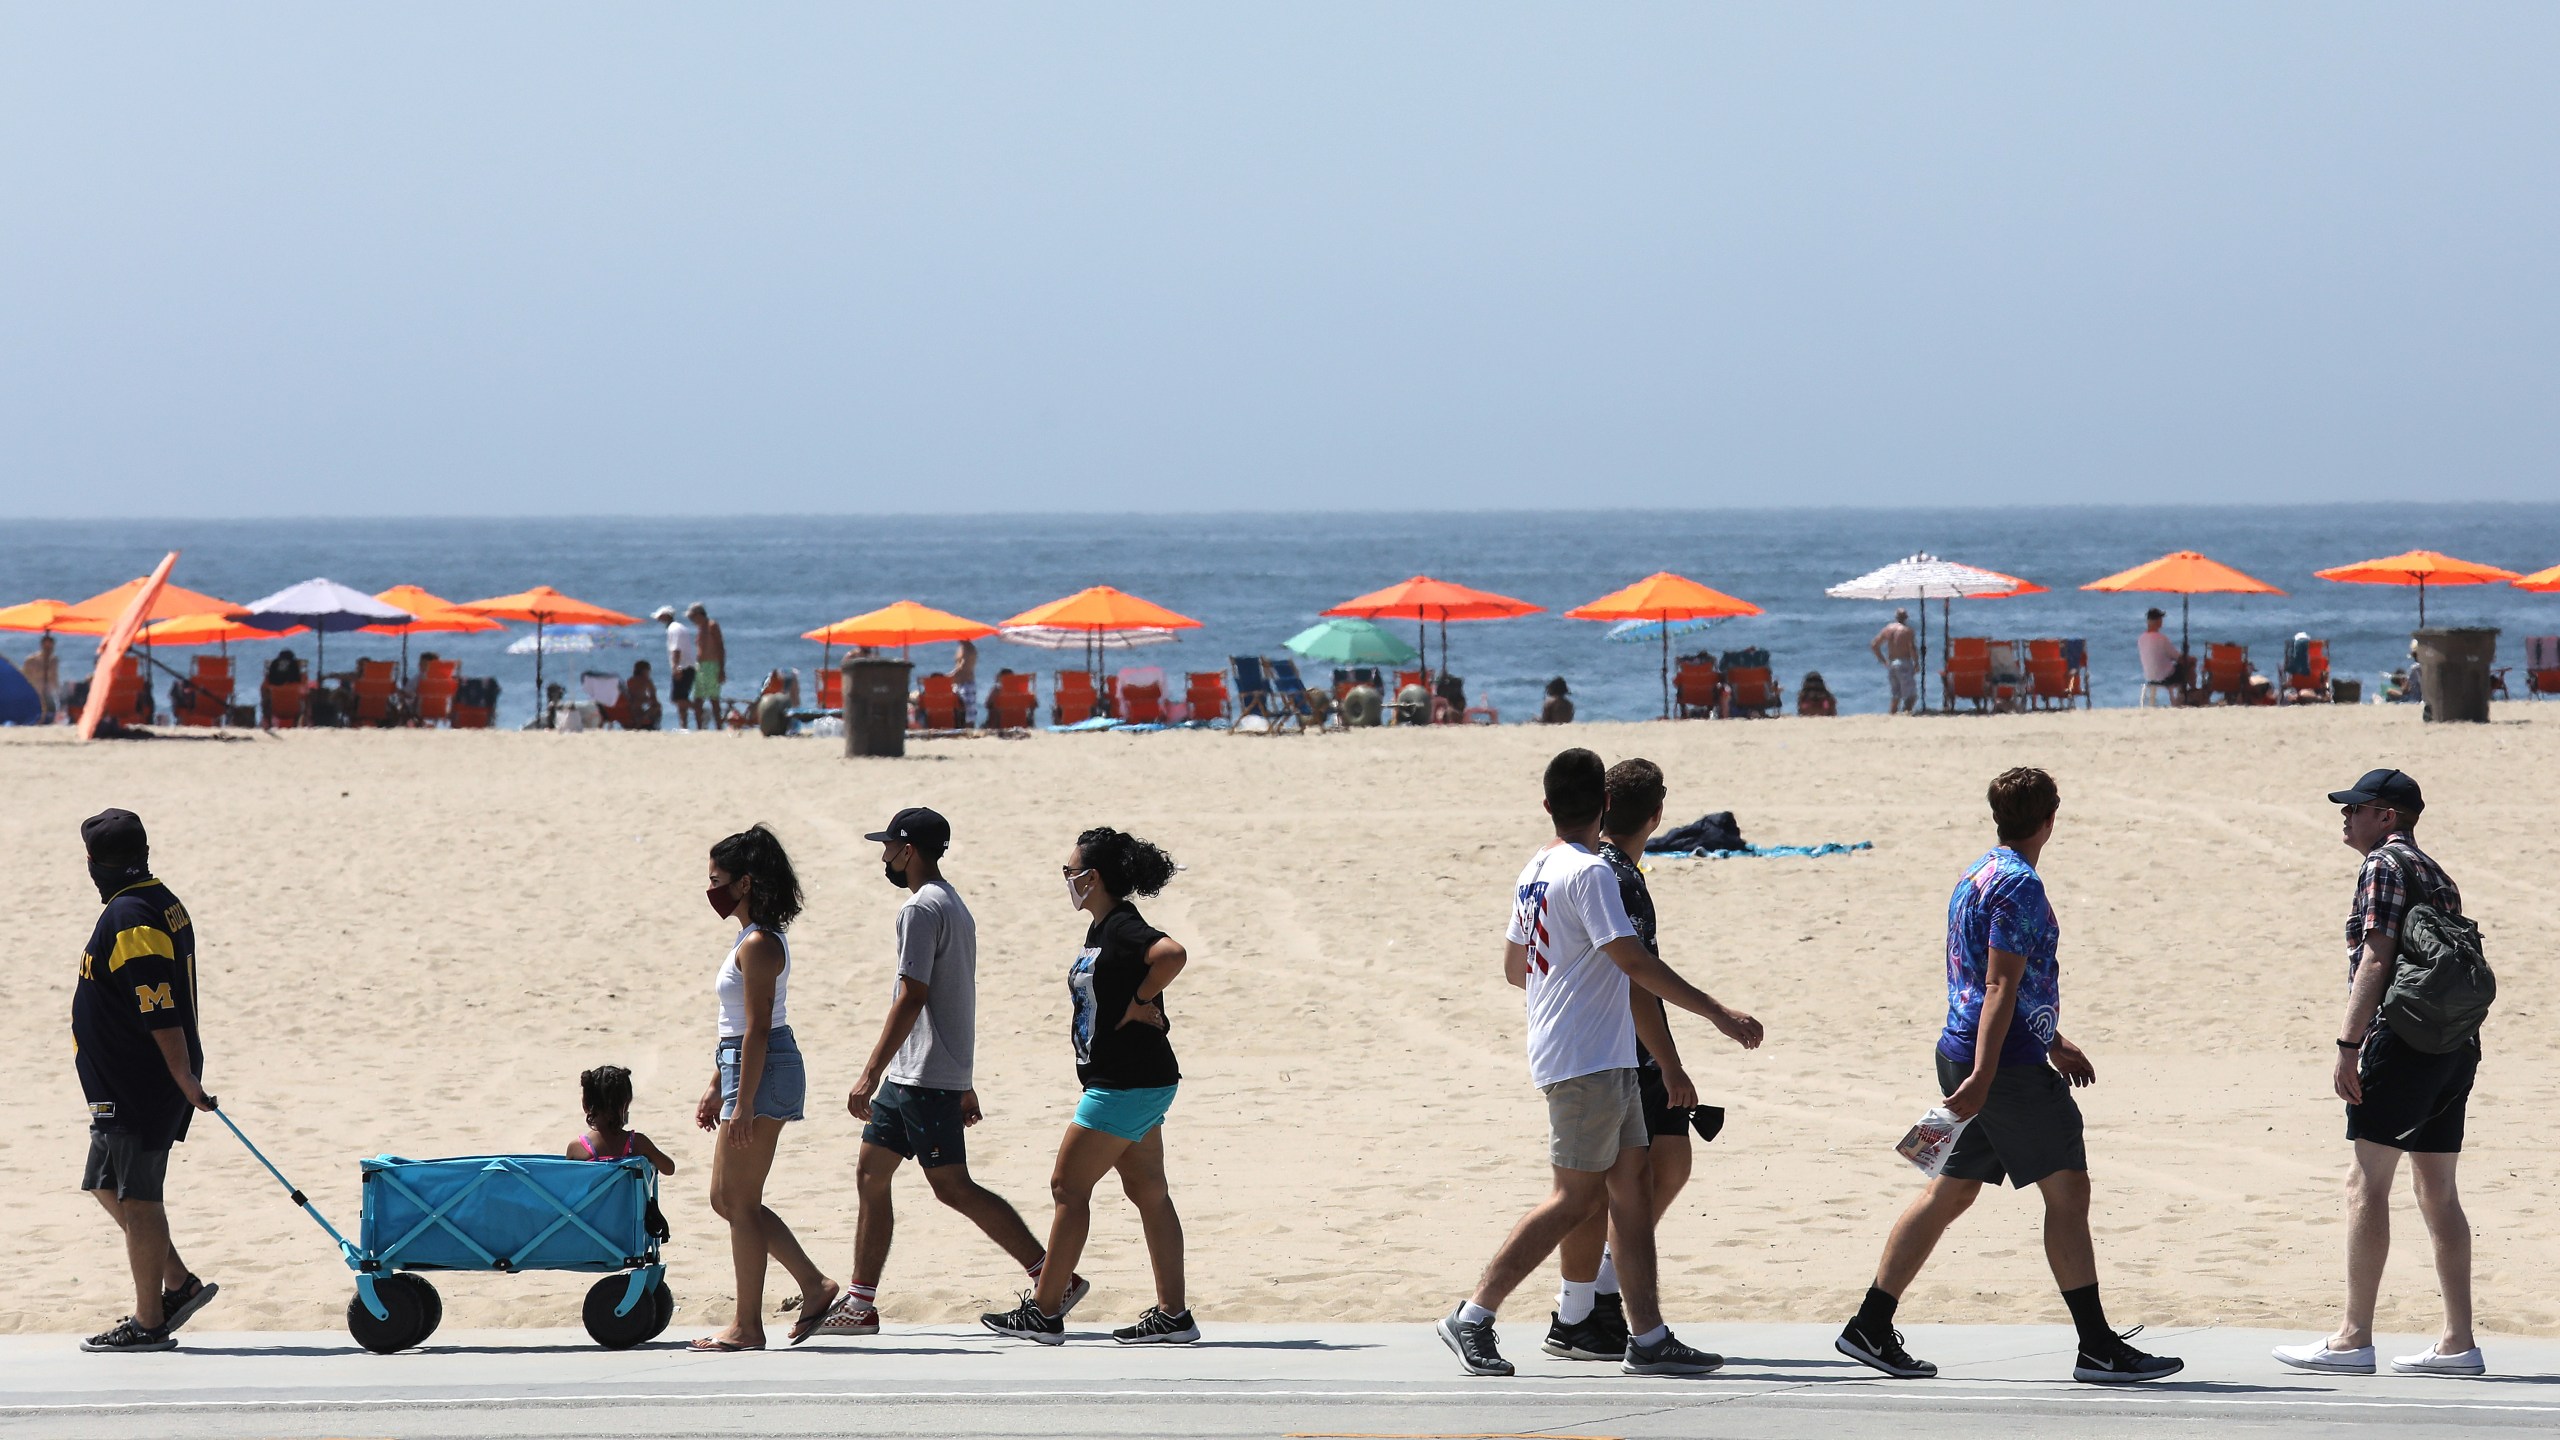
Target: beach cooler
(505, 1213)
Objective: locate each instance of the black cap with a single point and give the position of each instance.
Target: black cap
(115, 836)
(2383, 787)
(924, 829)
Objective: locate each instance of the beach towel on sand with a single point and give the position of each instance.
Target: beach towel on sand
(1767, 852)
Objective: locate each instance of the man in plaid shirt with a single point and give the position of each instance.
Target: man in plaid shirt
(2400, 1100)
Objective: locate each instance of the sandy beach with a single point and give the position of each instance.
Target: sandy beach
(412, 942)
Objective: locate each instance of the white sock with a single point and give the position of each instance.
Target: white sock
(1654, 1336)
(1573, 1303)
(1608, 1281)
(1471, 1313)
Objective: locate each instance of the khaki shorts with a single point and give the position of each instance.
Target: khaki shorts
(1590, 1118)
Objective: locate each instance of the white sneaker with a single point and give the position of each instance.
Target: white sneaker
(2468, 1362)
(2320, 1359)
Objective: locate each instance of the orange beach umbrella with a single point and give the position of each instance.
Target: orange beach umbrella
(543, 606)
(45, 615)
(1663, 596)
(99, 613)
(2183, 573)
(2538, 580)
(1423, 600)
(901, 624)
(436, 615)
(2420, 568)
(1097, 611)
(208, 630)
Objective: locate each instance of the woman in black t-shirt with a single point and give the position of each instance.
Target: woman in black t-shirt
(1124, 1060)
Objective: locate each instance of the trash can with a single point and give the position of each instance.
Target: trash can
(875, 707)
(2454, 665)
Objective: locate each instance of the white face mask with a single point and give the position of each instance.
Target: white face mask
(1077, 890)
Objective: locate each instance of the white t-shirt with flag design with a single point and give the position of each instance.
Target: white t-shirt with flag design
(1566, 908)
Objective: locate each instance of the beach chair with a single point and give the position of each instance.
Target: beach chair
(125, 692)
(377, 692)
(1072, 700)
(1966, 681)
(1697, 690)
(1137, 694)
(1253, 691)
(831, 690)
(2226, 672)
(206, 696)
(938, 704)
(283, 705)
(1013, 704)
(2306, 673)
(2542, 665)
(437, 681)
(1205, 692)
(2048, 683)
(1291, 692)
(1753, 691)
(475, 703)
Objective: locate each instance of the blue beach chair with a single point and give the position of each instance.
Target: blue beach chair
(1291, 692)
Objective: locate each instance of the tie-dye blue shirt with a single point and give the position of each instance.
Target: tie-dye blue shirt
(2000, 905)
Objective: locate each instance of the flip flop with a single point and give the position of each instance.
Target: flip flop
(811, 1317)
(714, 1345)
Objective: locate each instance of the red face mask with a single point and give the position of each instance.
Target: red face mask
(723, 904)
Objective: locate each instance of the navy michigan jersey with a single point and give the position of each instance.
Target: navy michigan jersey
(137, 977)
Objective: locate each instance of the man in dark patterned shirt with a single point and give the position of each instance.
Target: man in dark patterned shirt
(2400, 1099)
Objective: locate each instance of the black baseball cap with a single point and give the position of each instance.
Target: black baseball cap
(924, 829)
(115, 837)
(2383, 787)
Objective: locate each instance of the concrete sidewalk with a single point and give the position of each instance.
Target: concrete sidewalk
(1241, 1380)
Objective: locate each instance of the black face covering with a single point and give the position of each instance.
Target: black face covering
(111, 876)
(897, 873)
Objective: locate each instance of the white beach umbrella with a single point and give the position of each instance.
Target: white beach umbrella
(1052, 637)
(569, 640)
(1924, 577)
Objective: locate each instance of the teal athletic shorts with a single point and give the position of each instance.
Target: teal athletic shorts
(1129, 1114)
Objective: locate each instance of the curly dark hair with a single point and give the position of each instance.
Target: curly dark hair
(773, 891)
(606, 1093)
(1125, 864)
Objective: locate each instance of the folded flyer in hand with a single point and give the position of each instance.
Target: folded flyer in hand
(1930, 1142)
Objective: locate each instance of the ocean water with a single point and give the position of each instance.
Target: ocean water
(1256, 579)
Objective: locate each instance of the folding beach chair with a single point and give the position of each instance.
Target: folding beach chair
(1292, 693)
(438, 680)
(1205, 691)
(1072, 701)
(2542, 665)
(207, 694)
(831, 690)
(2306, 673)
(1254, 694)
(1697, 689)
(1754, 690)
(1138, 695)
(2226, 672)
(376, 687)
(475, 703)
(939, 704)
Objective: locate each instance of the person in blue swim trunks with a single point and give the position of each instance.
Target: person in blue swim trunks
(1124, 1060)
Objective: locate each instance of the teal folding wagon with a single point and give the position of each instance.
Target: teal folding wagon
(506, 1213)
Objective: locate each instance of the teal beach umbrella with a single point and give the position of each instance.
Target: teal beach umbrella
(1350, 642)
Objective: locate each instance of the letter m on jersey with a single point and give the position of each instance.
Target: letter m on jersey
(155, 997)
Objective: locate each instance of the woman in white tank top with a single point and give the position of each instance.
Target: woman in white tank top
(758, 1082)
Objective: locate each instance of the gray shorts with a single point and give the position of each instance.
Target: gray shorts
(1590, 1118)
(130, 1167)
(2029, 1127)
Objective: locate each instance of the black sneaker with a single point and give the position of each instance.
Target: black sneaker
(1668, 1356)
(2113, 1362)
(1026, 1321)
(1610, 1308)
(1473, 1344)
(1883, 1353)
(1157, 1328)
(1589, 1338)
(180, 1305)
(127, 1336)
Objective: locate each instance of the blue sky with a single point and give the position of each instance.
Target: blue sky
(647, 258)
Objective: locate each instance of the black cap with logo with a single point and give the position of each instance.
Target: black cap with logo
(924, 829)
(2383, 787)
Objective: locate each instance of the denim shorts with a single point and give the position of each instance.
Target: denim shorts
(785, 1086)
(1129, 1114)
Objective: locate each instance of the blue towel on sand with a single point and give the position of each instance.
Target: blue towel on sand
(1764, 852)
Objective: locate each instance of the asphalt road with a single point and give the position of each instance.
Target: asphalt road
(1783, 1381)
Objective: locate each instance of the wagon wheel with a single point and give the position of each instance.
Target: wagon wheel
(662, 1303)
(435, 1305)
(621, 1332)
(414, 1308)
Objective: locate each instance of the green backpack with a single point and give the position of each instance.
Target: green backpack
(2441, 987)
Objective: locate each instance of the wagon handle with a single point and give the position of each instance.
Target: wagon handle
(290, 1189)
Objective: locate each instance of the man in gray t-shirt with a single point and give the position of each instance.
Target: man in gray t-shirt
(915, 1093)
